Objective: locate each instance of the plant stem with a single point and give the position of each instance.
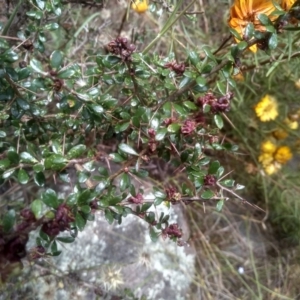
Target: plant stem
(11, 18)
(170, 22)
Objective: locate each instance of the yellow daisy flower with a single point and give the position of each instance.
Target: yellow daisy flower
(244, 12)
(283, 154)
(267, 108)
(265, 159)
(268, 147)
(272, 168)
(140, 6)
(292, 124)
(280, 134)
(297, 83)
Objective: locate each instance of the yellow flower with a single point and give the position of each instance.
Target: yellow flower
(268, 147)
(280, 134)
(283, 154)
(265, 159)
(293, 124)
(140, 6)
(287, 4)
(297, 83)
(244, 12)
(272, 168)
(267, 108)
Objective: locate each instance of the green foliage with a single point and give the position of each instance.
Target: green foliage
(97, 123)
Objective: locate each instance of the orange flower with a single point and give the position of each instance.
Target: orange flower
(287, 4)
(244, 12)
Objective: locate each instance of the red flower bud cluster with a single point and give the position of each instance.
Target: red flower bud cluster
(37, 252)
(138, 199)
(221, 104)
(61, 222)
(173, 195)
(28, 217)
(172, 231)
(177, 68)
(152, 142)
(209, 180)
(120, 47)
(188, 127)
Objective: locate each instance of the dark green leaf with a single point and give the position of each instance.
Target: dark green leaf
(208, 194)
(108, 216)
(50, 198)
(80, 221)
(66, 239)
(39, 179)
(124, 182)
(4, 163)
(8, 220)
(213, 167)
(56, 59)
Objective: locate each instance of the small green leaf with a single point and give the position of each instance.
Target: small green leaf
(56, 59)
(9, 220)
(13, 156)
(76, 151)
(218, 121)
(213, 167)
(55, 162)
(4, 163)
(36, 208)
(51, 26)
(124, 182)
(228, 182)
(190, 105)
(50, 198)
(173, 128)
(66, 239)
(273, 41)
(66, 73)
(108, 216)
(208, 194)
(219, 205)
(264, 20)
(97, 108)
(23, 177)
(2, 134)
(116, 157)
(27, 158)
(39, 179)
(127, 149)
(80, 221)
(85, 209)
(8, 173)
(153, 234)
(160, 134)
